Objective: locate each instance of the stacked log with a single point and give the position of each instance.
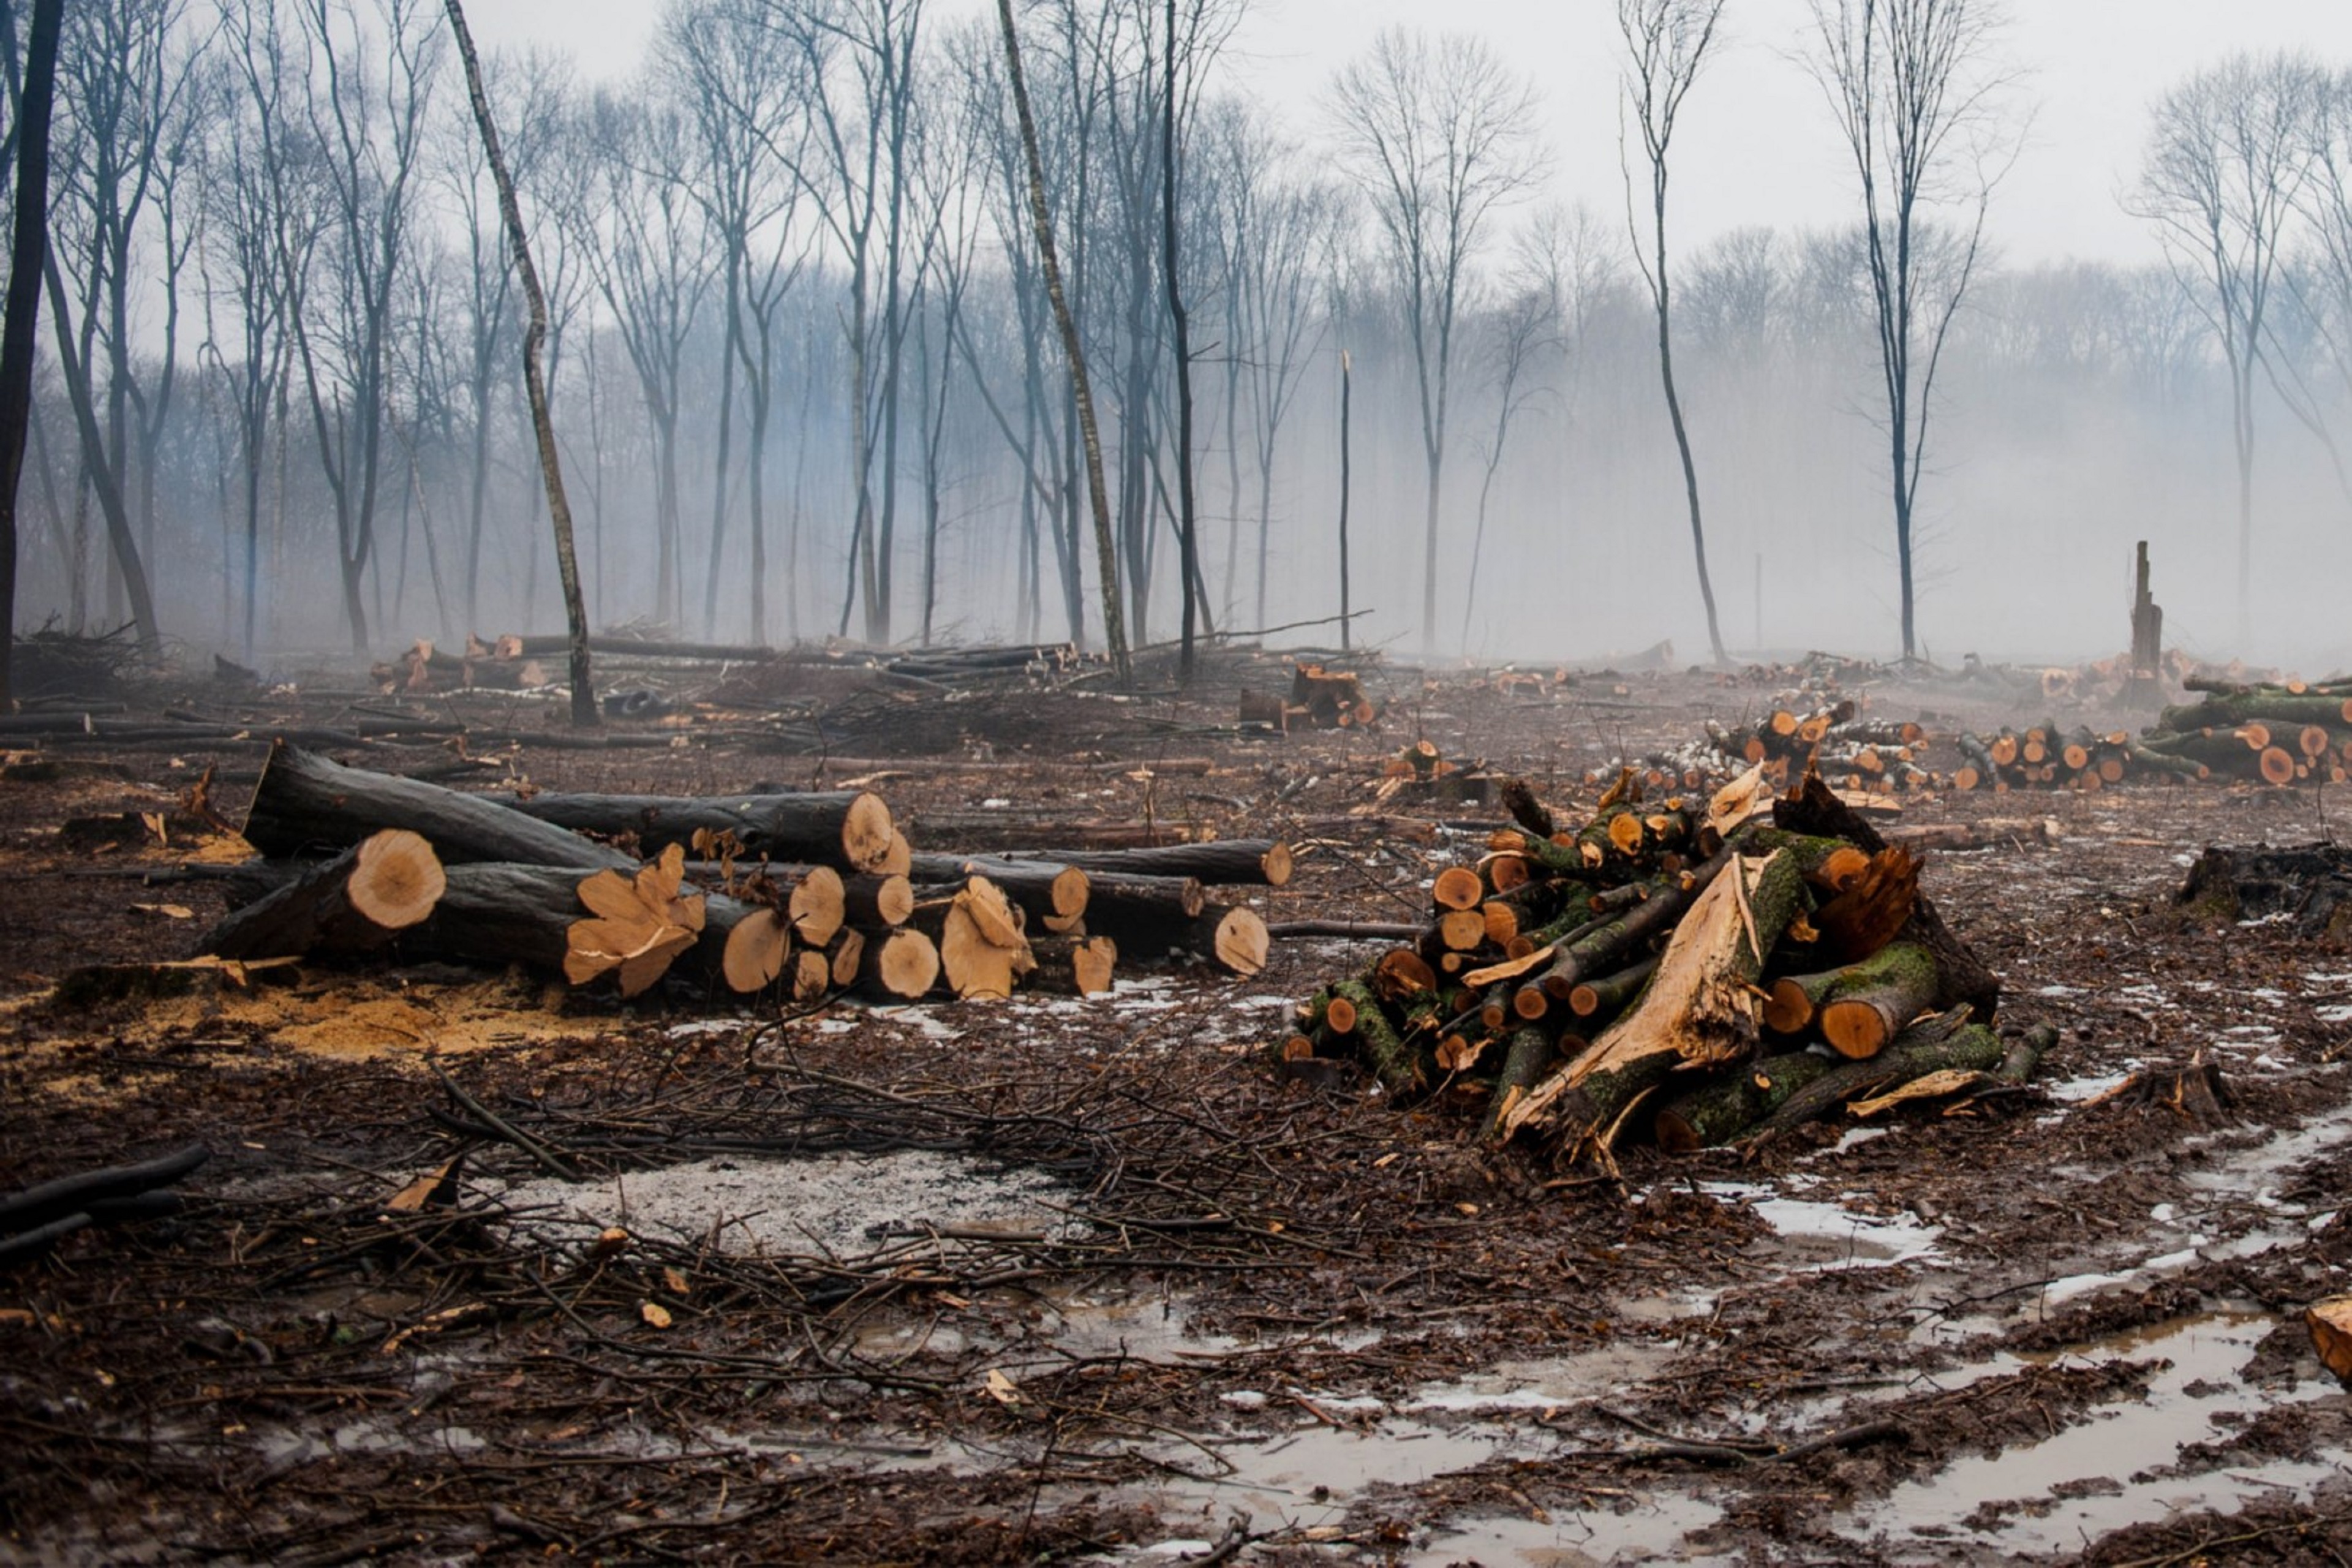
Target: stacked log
(1836, 742)
(483, 667)
(2277, 733)
(2047, 756)
(802, 895)
(1323, 699)
(1687, 969)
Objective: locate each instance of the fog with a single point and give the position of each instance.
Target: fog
(287, 297)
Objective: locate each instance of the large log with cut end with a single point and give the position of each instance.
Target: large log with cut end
(847, 829)
(1045, 889)
(1863, 1005)
(308, 805)
(360, 900)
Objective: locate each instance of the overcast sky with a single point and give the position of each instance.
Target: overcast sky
(1757, 145)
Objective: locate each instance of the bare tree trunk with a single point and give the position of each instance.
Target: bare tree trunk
(22, 321)
(1347, 617)
(551, 465)
(1114, 622)
(1188, 523)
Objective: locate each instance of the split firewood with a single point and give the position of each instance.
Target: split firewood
(637, 925)
(983, 945)
(358, 900)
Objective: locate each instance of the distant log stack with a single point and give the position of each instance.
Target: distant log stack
(1836, 742)
(2277, 733)
(1683, 968)
(2046, 756)
(801, 895)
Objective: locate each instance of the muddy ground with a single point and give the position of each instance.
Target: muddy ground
(1083, 1281)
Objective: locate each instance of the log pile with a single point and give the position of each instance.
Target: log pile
(2048, 756)
(2276, 733)
(1422, 774)
(1696, 971)
(799, 895)
(1836, 742)
(483, 667)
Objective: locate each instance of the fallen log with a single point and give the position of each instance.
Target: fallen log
(360, 900)
(306, 803)
(1719, 1111)
(1218, 862)
(848, 829)
(1943, 1042)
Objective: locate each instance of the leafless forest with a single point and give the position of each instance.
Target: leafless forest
(806, 379)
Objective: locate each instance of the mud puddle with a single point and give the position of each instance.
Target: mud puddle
(1652, 1527)
(2114, 1467)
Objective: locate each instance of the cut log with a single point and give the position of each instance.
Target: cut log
(306, 803)
(386, 884)
(2330, 1322)
(818, 905)
(1077, 966)
(1814, 811)
(1236, 938)
(1045, 889)
(1218, 862)
(1530, 1058)
(850, 829)
(1872, 1000)
(903, 963)
(755, 951)
(1943, 1042)
(1458, 888)
(1604, 996)
(869, 901)
(1356, 1013)
(981, 955)
(849, 959)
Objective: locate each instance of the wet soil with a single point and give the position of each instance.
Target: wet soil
(1082, 1281)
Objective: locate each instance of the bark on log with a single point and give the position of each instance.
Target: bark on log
(306, 803)
(1524, 1065)
(364, 897)
(1721, 1110)
(1045, 889)
(847, 829)
(50, 1201)
(1945, 1042)
(1815, 810)
(1218, 863)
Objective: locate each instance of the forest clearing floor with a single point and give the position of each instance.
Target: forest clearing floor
(1082, 1281)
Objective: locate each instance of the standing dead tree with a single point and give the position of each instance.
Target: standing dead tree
(1666, 43)
(1915, 92)
(1082, 392)
(2229, 151)
(1439, 135)
(37, 95)
(551, 465)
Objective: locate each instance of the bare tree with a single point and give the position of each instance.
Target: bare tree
(1666, 43)
(1527, 325)
(583, 686)
(1439, 135)
(1914, 90)
(36, 96)
(2228, 153)
(1081, 393)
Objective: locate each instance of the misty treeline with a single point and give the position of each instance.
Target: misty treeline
(807, 383)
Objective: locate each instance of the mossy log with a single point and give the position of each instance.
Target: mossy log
(1815, 809)
(1718, 1112)
(1861, 1008)
(1944, 1043)
(1397, 1065)
(2258, 706)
